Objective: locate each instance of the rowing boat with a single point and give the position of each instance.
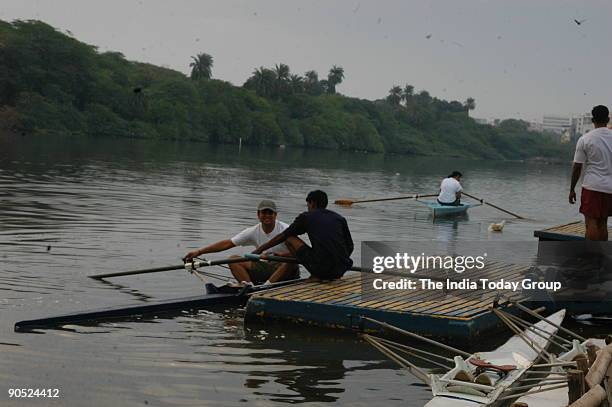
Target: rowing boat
(478, 379)
(507, 364)
(438, 210)
(214, 297)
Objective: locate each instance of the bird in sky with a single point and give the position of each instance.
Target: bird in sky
(579, 21)
(428, 36)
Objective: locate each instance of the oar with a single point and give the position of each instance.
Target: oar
(196, 263)
(482, 201)
(349, 202)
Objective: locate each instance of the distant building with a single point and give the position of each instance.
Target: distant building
(535, 126)
(556, 124)
(581, 124)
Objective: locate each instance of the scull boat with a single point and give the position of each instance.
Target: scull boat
(482, 378)
(214, 297)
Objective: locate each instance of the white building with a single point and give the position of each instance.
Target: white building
(535, 126)
(556, 124)
(582, 124)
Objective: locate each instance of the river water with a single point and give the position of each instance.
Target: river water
(70, 208)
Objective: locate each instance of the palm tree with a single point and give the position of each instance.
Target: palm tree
(469, 104)
(201, 67)
(407, 93)
(297, 83)
(282, 78)
(312, 77)
(395, 95)
(262, 81)
(312, 84)
(335, 77)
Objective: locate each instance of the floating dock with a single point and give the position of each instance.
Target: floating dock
(457, 314)
(568, 232)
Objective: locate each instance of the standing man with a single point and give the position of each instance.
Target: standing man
(256, 272)
(332, 245)
(594, 153)
(450, 190)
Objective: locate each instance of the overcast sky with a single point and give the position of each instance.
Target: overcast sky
(517, 58)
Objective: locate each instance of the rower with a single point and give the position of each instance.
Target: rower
(450, 190)
(260, 272)
(332, 244)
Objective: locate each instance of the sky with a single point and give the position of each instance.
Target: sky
(516, 58)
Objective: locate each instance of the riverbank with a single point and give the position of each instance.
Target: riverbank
(110, 96)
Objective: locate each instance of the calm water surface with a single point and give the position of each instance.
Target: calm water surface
(71, 208)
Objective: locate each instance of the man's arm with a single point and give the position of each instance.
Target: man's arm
(576, 170)
(278, 239)
(219, 246)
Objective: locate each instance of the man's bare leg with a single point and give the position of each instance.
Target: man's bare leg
(240, 271)
(282, 272)
(596, 228)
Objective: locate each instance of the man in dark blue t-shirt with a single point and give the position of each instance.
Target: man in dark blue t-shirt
(332, 245)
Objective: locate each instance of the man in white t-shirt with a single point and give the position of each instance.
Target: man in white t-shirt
(450, 190)
(594, 155)
(256, 272)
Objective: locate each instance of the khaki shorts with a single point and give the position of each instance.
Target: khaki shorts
(261, 271)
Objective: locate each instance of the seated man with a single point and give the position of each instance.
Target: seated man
(260, 272)
(450, 190)
(332, 245)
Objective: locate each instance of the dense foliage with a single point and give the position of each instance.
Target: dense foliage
(52, 83)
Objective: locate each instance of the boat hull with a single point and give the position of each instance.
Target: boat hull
(438, 210)
(216, 296)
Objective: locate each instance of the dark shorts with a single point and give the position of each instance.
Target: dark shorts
(595, 204)
(456, 203)
(319, 266)
(261, 271)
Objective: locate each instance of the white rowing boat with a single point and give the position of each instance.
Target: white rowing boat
(483, 378)
(484, 389)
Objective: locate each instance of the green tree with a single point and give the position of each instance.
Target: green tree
(334, 78)
(407, 95)
(395, 96)
(262, 81)
(296, 83)
(469, 104)
(201, 66)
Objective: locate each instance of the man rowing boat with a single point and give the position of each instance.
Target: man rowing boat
(332, 244)
(261, 271)
(450, 190)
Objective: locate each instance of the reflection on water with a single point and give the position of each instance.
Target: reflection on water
(69, 209)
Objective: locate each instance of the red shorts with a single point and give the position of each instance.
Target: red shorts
(595, 204)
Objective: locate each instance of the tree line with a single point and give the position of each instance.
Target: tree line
(52, 83)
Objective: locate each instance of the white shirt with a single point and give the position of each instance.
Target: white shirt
(448, 190)
(594, 151)
(256, 236)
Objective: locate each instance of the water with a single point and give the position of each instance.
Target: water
(72, 208)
